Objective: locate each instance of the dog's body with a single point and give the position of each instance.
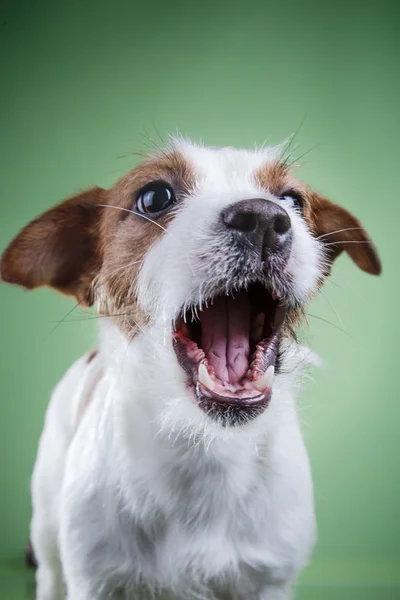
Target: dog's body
(157, 477)
(130, 503)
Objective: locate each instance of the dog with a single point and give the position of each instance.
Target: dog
(171, 464)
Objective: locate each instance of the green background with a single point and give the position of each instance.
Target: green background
(83, 85)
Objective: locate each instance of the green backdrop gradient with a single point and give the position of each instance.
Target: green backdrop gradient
(83, 86)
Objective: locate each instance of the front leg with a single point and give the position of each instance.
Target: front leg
(92, 568)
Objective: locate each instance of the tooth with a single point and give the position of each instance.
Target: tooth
(265, 380)
(204, 377)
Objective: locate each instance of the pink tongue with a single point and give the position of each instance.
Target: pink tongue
(225, 336)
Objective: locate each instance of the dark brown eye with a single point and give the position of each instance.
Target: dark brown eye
(155, 198)
(294, 198)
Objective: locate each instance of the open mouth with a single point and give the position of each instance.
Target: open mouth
(229, 351)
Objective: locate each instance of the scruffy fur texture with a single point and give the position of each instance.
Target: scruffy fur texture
(137, 493)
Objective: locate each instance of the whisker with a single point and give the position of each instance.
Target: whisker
(336, 327)
(349, 242)
(147, 137)
(161, 150)
(110, 315)
(346, 288)
(57, 323)
(148, 146)
(320, 237)
(335, 283)
(90, 318)
(302, 155)
(285, 153)
(333, 308)
(137, 214)
(288, 146)
(136, 262)
(147, 219)
(129, 154)
(158, 133)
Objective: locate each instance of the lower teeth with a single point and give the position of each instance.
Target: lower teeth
(204, 377)
(265, 380)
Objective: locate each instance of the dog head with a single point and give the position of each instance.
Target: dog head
(213, 254)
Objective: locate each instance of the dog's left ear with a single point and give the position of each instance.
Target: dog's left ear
(60, 248)
(340, 231)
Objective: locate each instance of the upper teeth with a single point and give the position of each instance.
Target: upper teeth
(265, 380)
(204, 377)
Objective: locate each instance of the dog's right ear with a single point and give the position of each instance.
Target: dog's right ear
(60, 248)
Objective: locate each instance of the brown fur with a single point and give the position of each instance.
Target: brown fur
(341, 230)
(127, 238)
(273, 176)
(59, 249)
(84, 249)
(79, 247)
(325, 219)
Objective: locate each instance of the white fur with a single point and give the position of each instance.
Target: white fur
(148, 495)
(179, 269)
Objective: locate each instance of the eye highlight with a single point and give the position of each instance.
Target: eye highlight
(294, 198)
(154, 198)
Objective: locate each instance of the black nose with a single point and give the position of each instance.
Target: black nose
(264, 223)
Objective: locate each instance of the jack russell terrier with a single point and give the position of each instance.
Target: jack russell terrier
(171, 464)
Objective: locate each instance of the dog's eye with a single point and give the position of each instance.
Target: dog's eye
(155, 198)
(293, 198)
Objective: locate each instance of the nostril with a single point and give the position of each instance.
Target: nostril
(281, 223)
(259, 219)
(244, 221)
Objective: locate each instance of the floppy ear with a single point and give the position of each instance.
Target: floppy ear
(59, 249)
(338, 230)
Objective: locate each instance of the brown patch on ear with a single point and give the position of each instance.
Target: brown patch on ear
(59, 249)
(340, 231)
